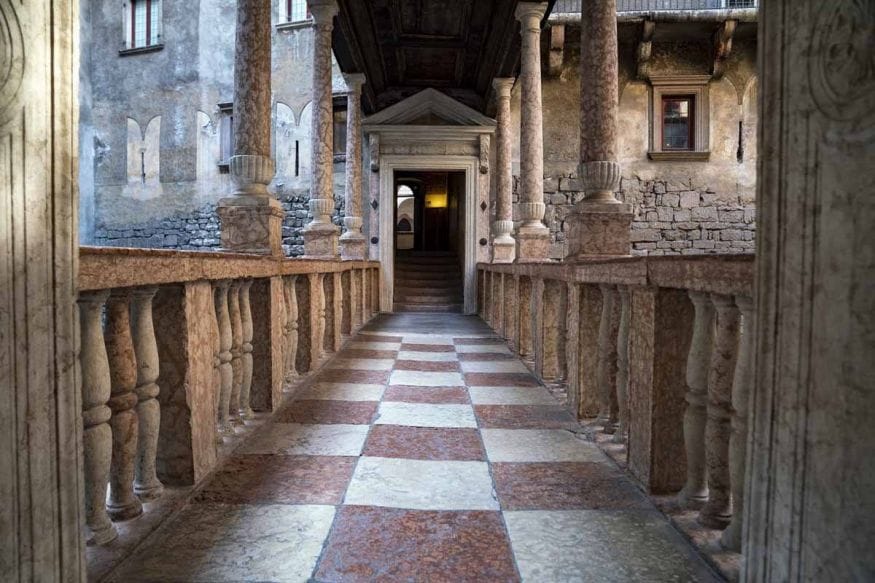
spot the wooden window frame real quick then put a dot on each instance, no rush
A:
(152, 25)
(694, 87)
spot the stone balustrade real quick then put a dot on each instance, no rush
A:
(181, 350)
(656, 351)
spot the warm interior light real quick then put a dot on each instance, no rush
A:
(436, 200)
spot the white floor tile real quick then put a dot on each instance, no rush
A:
(538, 445)
(494, 366)
(298, 439)
(480, 348)
(361, 364)
(376, 345)
(343, 392)
(511, 396)
(426, 415)
(426, 379)
(428, 356)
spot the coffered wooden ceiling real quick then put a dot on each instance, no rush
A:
(405, 46)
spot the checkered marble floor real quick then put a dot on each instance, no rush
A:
(419, 457)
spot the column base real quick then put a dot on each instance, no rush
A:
(251, 224)
(353, 248)
(321, 241)
(532, 245)
(504, 250)
(599, 230)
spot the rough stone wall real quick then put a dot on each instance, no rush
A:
(680, 207)
(179, 88)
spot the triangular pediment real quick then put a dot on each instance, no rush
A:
(429, 107)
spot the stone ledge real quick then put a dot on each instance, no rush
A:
(116, 267)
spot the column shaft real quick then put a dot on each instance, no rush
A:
(623, 365)
(607, 365)
(503, 243)
(320, 235)
(226, 338)
(352, 242)
(533, 238)
(246, 411)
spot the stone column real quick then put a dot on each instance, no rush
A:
(623, 364)
(123, 503)
(741, 387)
(718, 510)
(146, 483)
(599, 225)
(246, 411)
(695, 492)
(217, 357)
(320, 235)
(352, 242)
(226, 339)
(317, 318)
(97, 436)
(533, 237)
(252, 218)
(503, 243)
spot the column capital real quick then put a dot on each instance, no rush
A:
(503, 86)
(530, 14)
(323, 11)
(354, 82)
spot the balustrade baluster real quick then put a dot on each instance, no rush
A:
(607, 366)
(717, 512)
(217, 360)
(97, 435)
(623, 365)
(291, 296)
(741, 387)
(695, 492)
(236, 351)
(123, 503)
(146, 483)
(246, 411)
(226, 368)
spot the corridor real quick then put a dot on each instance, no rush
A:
(423, 451)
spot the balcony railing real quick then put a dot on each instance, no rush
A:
(179, 349)
(573, 6)
(654, 352)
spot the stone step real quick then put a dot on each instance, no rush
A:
(429, 276)
(429, 299)
(451, 308)
(427, 266)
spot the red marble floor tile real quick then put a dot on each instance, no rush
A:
(360, 353)
(318, 412)
(482, 356)
(565, 486)
(368, 377)
(377, 338)
(500, 379)
(489, 340)
(424, 443)
(388, 544)
(433, 395)
(429, 347)
(427, 366)
(280, 479)
(524, 417)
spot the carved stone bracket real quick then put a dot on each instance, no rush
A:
(722, 47)
(484, 153)
(557, 49)
(645, 49)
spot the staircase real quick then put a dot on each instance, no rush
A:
(428, 282)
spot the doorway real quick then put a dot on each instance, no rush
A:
(429, 241)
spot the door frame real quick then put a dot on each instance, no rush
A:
(389, 163)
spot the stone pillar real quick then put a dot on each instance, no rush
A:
(741, 386)
(355, 301)
(352, 243)
(146, 483)
(251, 218)
(533, 237)
(320, 235)
(317, 318)
(623, 365)
(97, 436)
(246, 411)
(503, 243)
(553, 320)
(607, 366)
(123, 503)
(599, 225)
(718, 510)
(695, 492)
(226, 339)
(217, 357)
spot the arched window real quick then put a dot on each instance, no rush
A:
(404, 226)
